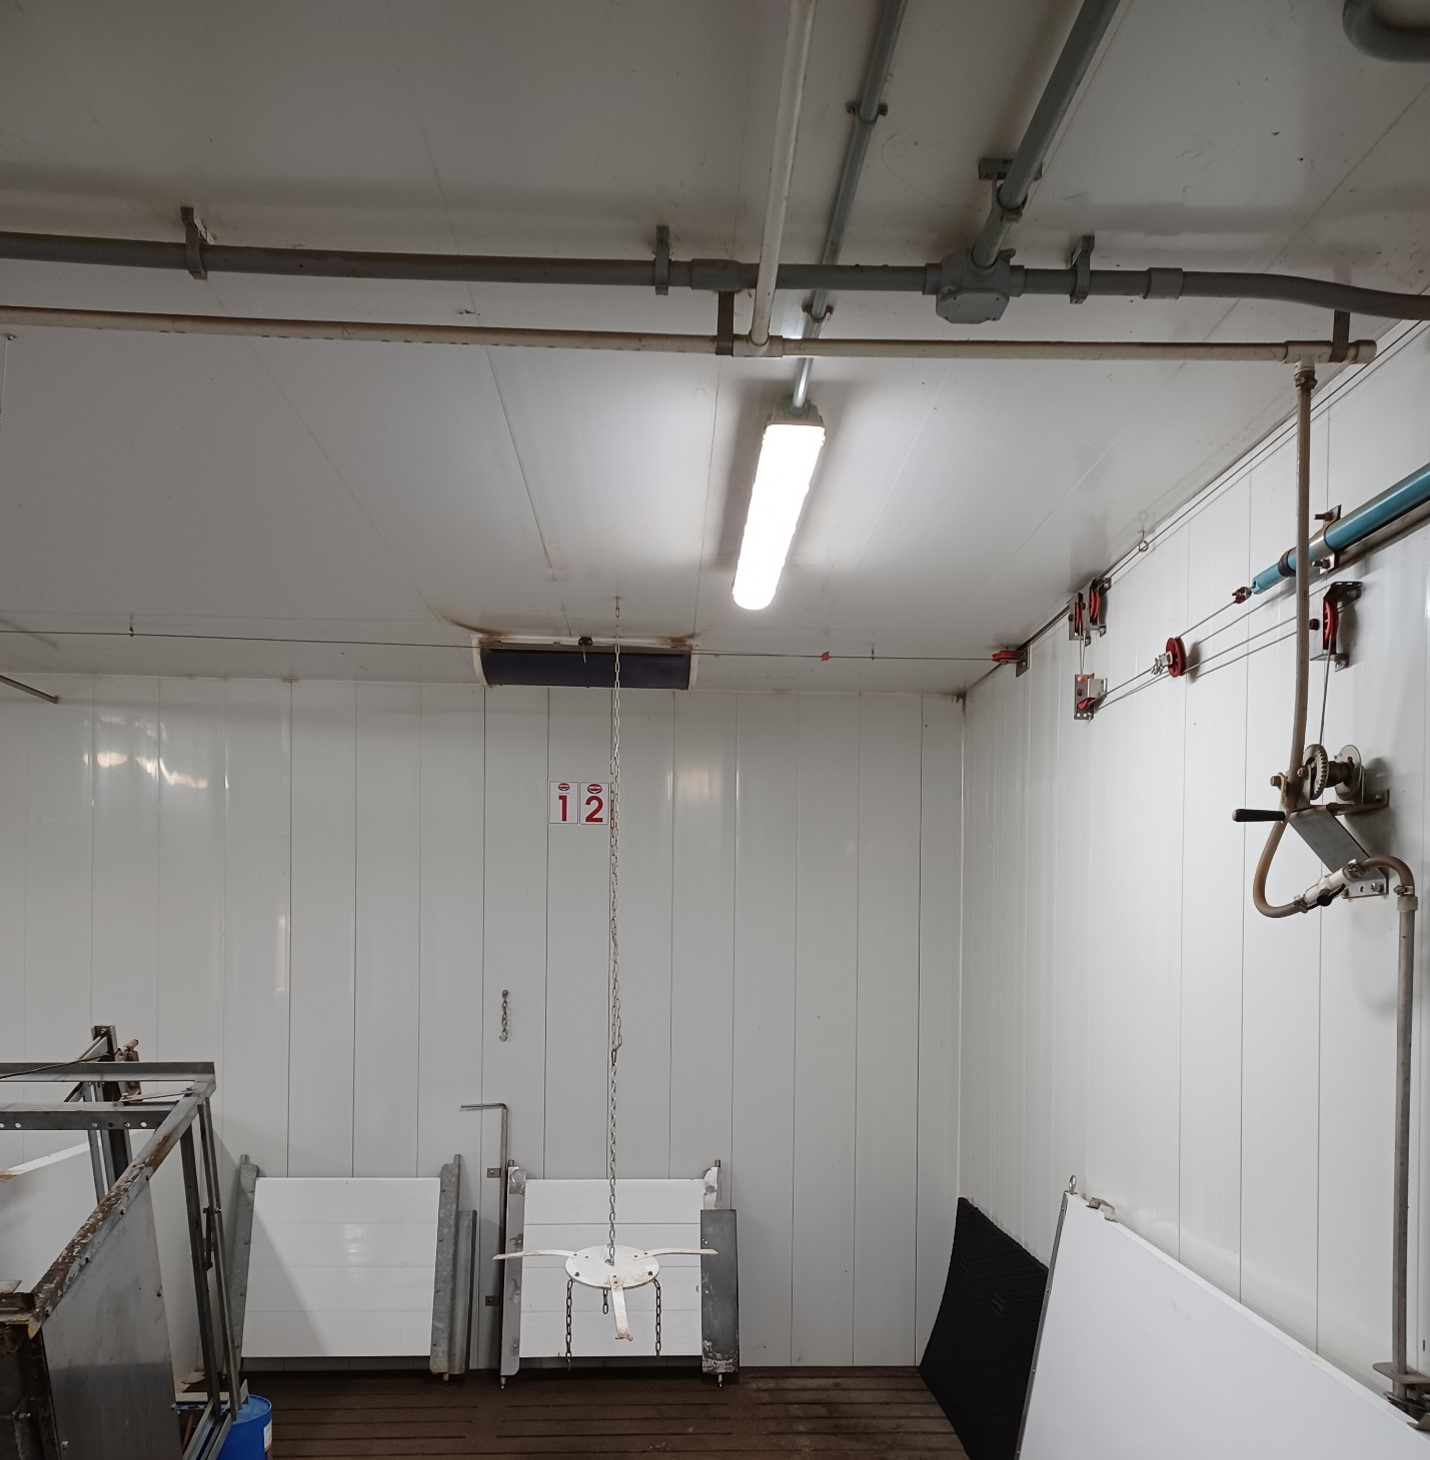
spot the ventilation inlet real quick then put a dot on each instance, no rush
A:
(583, 667)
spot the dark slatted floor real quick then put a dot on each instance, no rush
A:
(770, 1414)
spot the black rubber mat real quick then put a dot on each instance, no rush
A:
(980, 1353)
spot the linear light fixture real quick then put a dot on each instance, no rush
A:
(788, 455)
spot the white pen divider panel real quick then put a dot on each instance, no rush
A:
(1125, 1327)
(43, 1203)
(341, 1267)
(570, 1215)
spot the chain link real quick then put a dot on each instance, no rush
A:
(615, 889)
(657, 1316)
(569, 1283)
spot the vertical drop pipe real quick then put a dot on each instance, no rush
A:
(1398, 1370)
(1291, 785)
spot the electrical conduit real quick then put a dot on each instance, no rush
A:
(796, 65)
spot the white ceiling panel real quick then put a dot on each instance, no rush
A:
(301, 508)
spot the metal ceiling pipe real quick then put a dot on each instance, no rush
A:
(1374, 36)
(1210, 284)
(867, 111)
(710, 275)
(1356, 352)
(1011, 194)
(796, 66)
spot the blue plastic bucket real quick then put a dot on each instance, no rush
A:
(251, 1437)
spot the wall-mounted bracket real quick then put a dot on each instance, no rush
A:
(1081, 265)
(662, 259)
(1088, 694)
(1077, 620)
(995, 169)
(725, 323)
(1334, 646)
(195, 236)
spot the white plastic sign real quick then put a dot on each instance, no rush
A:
(579, 803)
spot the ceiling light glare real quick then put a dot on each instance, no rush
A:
(788, 455)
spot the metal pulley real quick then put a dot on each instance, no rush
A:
(1173, 660)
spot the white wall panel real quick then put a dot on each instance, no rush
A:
(940, 831)
(126, 857)
(825, 1042)
(14, 721)
(647, 773)
(578, 945)
(1214, 906)
(58, 873)
(514, 920)
(257, 819)
(1281, 979)
(762, 1145)
(325, 888)
(450, 1031)
(192, 854)
(1224, 1078)
(323, 935)
(387, 1014)
(702, 952)
(886, 1179)
(1379, 433)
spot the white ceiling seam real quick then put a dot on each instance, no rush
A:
(1355, 352)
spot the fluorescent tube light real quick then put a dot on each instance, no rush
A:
(788, 455)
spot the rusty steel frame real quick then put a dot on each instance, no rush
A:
(108, 1121)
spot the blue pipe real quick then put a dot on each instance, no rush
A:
(1393, 503)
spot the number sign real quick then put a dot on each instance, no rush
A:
(579, 803)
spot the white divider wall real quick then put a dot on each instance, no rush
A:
(1225, 1080)
(325, 887)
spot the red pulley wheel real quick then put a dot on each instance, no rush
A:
(1176, 658)
(1330, 624)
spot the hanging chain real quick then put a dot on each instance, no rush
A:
(657, 1317)
(615, 988)
(570, 1282)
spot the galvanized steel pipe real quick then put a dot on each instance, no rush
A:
(867, 111)
(1224, 284)
(709, 275)
(1067, 76)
